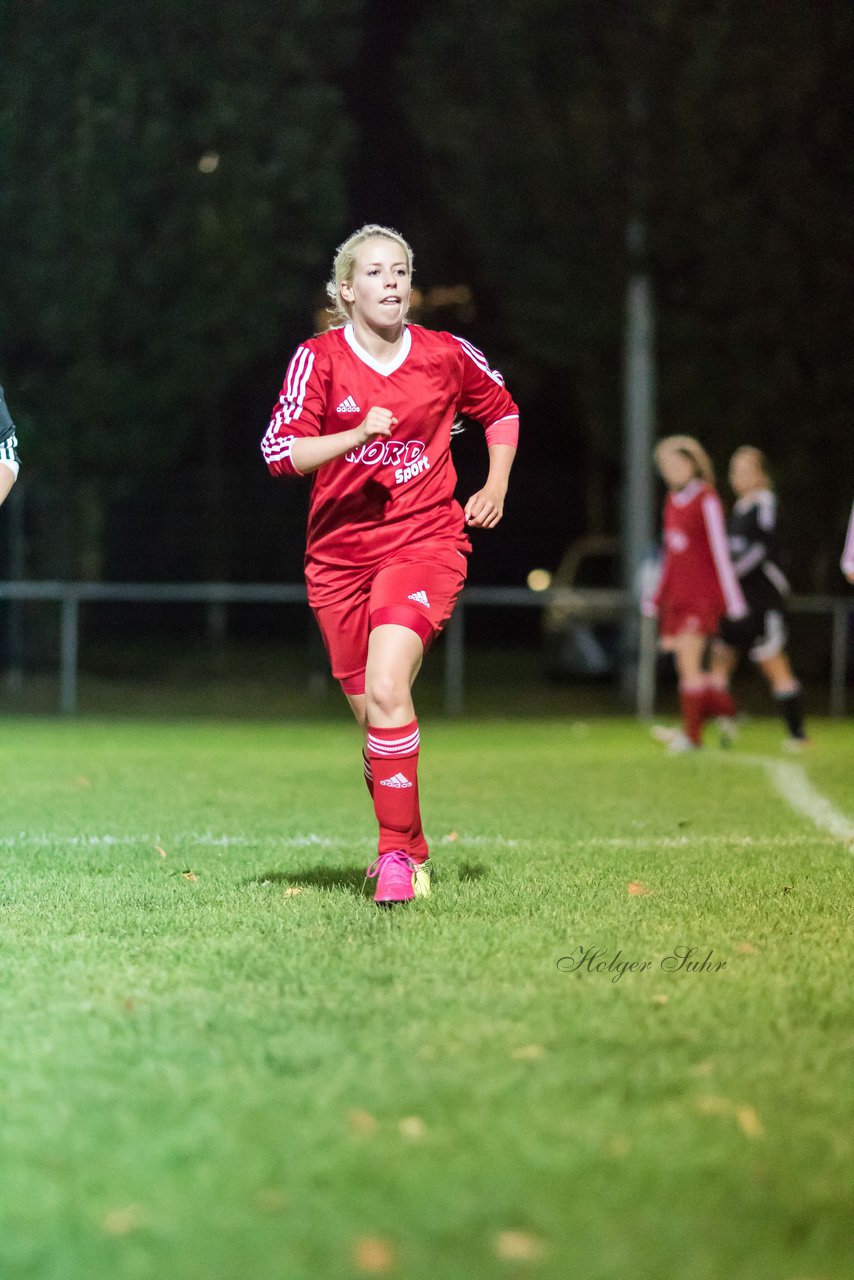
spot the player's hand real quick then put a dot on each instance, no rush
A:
(485, 508)
(378, 422)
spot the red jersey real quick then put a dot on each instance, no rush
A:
(391, 492)
(697, 570)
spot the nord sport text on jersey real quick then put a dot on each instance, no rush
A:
(407, 456)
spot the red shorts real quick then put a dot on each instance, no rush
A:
(698, 620)
(417, 590)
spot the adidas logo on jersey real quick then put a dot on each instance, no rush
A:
(399, 781)
(348, 406)
(420, 597)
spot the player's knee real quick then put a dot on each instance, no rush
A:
(386, 693)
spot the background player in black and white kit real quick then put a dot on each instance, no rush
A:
(8, 450)
(752, 539)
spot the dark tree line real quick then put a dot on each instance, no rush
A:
(551, 126)
(173, 178)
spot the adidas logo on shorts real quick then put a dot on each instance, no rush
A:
(398, 781)
(420, 597)
(348, 406)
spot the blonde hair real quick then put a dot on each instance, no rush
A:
(690, 449)
(751, 454)
(345, 263)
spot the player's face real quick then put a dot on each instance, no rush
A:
(744, 475)
(381, 285)
(676, 470)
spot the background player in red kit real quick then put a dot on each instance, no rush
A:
(698, 584)
(367, 407)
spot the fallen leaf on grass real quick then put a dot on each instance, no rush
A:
(292, 891)
(528, 1053)
(636, 887)
(618, 1146)
(189, 875)
(373, 1256)
(518, 1246)
(82, 782)
(121, 1222)
(271, 1200)
(361, 1121)
(450, 838)
(660, 998)
(751, 1125)
(704, 1068)
(746, 949)
(412, 1127)
(161, 851)
(746, 1117)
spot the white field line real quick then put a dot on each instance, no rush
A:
(788, 779)
(182, 839)
(793, 786)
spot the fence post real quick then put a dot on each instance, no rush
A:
(68, 642)
(647, 658)
(455, 662)
(838, 659)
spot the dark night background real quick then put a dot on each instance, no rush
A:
(174, 179)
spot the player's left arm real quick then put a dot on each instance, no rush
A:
(485, 508)
(484, 397)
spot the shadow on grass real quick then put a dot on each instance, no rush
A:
(351, 878)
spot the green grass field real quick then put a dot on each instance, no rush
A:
(221, 1062)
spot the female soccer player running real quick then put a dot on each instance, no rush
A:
(367, 408)
(697, 586)
(8, 455)
(751, 538)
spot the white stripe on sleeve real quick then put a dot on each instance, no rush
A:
(751, 558)
(714, 518)
(478, 358)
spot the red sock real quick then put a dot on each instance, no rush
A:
(369, 777)
(393, 755)
(691, 701)
(718, 702)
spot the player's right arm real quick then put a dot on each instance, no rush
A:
(293, 444)
(310, 453)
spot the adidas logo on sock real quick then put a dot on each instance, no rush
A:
(348, 406)
(398, 781)
(420, 597)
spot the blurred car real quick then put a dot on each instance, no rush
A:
(582, 635)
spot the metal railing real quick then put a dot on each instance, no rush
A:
(590, 605)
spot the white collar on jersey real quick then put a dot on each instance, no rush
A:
(684, 496)
(368, 359)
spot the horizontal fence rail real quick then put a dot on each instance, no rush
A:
(577, 605)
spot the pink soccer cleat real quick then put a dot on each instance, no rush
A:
(395, 876)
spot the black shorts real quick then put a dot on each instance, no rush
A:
(762, 634)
